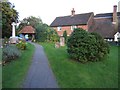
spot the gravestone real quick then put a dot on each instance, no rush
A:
(57, 45)
(62, 41)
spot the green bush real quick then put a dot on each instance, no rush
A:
(22, 45)
(52, 35)
(44, 33)
(10, 53)
(65, 36)
(84, 46)
(102, 45)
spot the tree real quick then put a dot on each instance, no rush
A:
(43, 31)
(41, 34)
(52, 35)
(33, 21)
(9, 15)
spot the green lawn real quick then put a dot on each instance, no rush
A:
(71, 74)
(14, 72)
(0, 68)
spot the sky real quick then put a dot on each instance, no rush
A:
(48, 10)
(119, 6)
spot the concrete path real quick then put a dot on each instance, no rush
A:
(40, 74)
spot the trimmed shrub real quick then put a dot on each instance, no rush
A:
(10, 53)
(22, 45)
(102, 45)
(65, 36)
(84, 46)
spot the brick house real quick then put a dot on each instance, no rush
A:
(68, 23)
(106, 24)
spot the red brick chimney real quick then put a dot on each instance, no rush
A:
(115, 13)
(72, 12)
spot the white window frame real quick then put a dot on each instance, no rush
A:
(73, 27)
(59, 28)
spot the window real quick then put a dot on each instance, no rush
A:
(59, 28)
(73, 27)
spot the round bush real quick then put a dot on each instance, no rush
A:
(84, 46)
(102, 46)
(10, 53)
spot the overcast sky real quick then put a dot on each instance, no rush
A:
(119, 6)
(48, 10)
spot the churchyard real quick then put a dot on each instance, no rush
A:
(81, 60)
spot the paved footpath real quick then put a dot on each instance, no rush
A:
(40, 74)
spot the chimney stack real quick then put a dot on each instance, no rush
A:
(115, 13)
(72, 12)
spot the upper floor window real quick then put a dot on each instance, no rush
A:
(59, 28)
(73, 27)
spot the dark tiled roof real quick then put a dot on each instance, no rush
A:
(106, 15)
(79, 19)
(104, 27)
(27, 29)
(119, 24)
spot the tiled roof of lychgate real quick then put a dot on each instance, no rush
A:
(27, 29)
(78, 19)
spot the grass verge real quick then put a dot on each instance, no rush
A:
(0, 68)
(71, 74)
(14, 72)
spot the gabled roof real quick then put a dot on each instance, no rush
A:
(27, 29)
(104, 27)
(106, 15)
(78, 19)
(119, 24)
